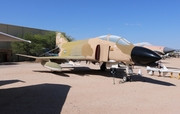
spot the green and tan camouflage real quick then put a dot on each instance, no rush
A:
(107, 49)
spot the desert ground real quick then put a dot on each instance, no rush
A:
(29, 88)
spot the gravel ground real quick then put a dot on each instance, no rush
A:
(29, 88)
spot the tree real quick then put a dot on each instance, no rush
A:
(40, 43)
(69, 38)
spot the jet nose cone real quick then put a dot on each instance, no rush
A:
(167, 50)
(144, 56)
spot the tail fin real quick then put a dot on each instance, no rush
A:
(60, 39)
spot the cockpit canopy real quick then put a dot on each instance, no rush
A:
(115, 39)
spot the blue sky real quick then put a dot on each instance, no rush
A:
(153, 21)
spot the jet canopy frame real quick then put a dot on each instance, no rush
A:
(115, 39)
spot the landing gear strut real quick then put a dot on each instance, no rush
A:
(129, 72)
(125, 78)
(113, 72)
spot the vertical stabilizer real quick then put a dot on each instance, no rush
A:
(60, 39)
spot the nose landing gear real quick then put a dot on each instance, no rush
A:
(125, 78)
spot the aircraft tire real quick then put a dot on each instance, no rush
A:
(103, 67)
(129, 78)
(124, 78)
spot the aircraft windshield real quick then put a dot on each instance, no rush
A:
(115, 39)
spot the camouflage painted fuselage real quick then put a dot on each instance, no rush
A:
(107, 50)
(97, 49)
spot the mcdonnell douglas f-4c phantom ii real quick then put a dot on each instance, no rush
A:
(107, 49)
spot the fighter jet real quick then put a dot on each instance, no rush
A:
(162, 50)
(7, 37)
(106, 49)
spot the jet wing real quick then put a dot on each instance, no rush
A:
(39, 59)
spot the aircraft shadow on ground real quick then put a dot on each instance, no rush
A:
(173, 68)
(141, 78)
(5, 82)
(36, 99)
(86, 71)
(9, 63)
